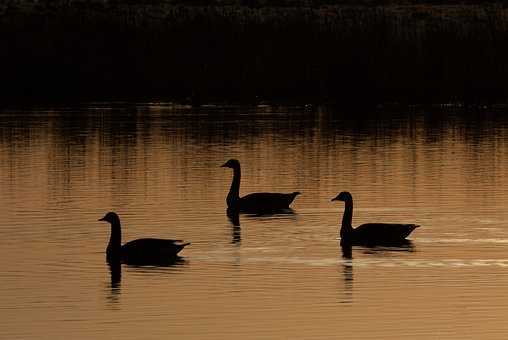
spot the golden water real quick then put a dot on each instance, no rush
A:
(280, 276)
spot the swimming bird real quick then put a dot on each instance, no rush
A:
(260, 202)
(370, 233)
(140, 251)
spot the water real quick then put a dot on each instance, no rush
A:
(280, 276)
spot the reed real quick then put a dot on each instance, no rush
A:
(298, 51)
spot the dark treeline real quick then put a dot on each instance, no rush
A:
(412, 53)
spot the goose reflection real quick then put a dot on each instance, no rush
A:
(234, 219)
(115, 269)
(236, 231)
(379, 247)
(280, 213)
(347, 250)
(347, 272)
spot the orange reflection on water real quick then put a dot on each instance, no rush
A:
(272, 276)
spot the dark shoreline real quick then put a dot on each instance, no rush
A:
(332, 54)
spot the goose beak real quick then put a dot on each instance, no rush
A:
(101, 219)
(334, 199)
(223, 165)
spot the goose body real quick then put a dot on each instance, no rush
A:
(140, 251)
(255, 202)
(369, 233)
(266, 201)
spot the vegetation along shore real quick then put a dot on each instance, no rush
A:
(247, 51)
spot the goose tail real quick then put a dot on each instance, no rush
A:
(180, 243)
(410, 229)
(291, 197)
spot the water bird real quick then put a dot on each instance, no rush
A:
(370, 233)
(259, 202)
(140, 251)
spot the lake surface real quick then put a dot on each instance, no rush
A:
(278, 276)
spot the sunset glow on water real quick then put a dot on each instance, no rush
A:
(274, 276)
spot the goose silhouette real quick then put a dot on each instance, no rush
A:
(140, 251)
(260, 202)
(370, 233)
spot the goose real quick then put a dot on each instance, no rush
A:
(370, 233)
(140, 251)
(258, 202)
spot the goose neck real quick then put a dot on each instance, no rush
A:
(234, 190)
(115, 240)
(347, 219)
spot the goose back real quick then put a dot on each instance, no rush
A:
(266, 201)
(150, 250)
(383, 231)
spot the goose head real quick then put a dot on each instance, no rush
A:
(110, 217)
(343, 196)
(232, 163)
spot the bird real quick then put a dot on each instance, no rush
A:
(370, 233)
(259, 202)
(140, 251)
